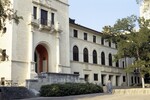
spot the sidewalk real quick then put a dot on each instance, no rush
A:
(97, 96)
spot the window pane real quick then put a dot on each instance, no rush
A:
(43, 17)
(94, 39)
(52, 18)
(85, 55)
(35, 12)
(95, 77)
(110, 60)
(85, 36)
(103, 58)
(94, 57)
(75, 53)
(75, 32)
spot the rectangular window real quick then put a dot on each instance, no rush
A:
(35, 12)
(109, 43)
(52, 18)
(85, 36)
(43, 17)
(95, 77)
(75, 33)
(94, 39)
(76, 73)
(124, 79)
(102, 41)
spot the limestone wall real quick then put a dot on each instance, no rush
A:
(50, 78)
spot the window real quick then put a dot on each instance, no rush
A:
(102, 41)
(123, 64)
(77, 73)
(110, 59)
(35, 12)
(85, 55)
(94, 57)
(43, 17)
(132, 80)
(124, 79)
(103, 58)
(94, 39)
(85, 36)
(109, 43)
(52, 18)
(86, 77)
(75, 33)
(116, 45)
(138, 79)
(75, 53)
(135, 79)
(95, 77)
(117, 63)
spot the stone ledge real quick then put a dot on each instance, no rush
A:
(134, 91)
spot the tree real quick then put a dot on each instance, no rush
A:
(7, 14)
(132, 43)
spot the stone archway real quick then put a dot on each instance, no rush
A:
(41, 59)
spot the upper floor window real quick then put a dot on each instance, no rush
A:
(35, 12)
(94, 57)
(116, 45)
(44, 17)
(52, 18)
(75, 53)
(103, 58)
(117, 63)
(110, 59)
(123, 64)
(109, 43)
(85, 55)
(94, 39)
(102, 41)
(75, 33)
(85, 36)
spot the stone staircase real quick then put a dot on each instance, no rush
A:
(10, 93)
(132, 91)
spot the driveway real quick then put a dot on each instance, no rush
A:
(98, 96)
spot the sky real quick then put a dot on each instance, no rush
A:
(96, 14)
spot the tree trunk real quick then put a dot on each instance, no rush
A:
(143, 83)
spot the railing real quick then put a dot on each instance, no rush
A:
(42, 23)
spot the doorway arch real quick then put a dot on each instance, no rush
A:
(41, 59)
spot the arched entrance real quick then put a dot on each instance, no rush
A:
(41, 59)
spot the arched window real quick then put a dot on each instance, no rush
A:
(75, 53)
(117, 63)
(94, 57)
(103, 58)
(110, 59)
(85, 55)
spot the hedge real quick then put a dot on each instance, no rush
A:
(69, 89)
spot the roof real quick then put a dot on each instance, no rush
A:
(72, 21)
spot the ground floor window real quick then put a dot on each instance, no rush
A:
(124, 78)
(95, 77)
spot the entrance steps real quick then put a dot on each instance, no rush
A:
(132, 91)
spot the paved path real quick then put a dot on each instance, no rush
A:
(96, 97)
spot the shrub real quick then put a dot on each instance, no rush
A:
(69, 89)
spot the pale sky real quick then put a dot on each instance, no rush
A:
(97, 13)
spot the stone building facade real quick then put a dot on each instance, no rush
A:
(45, 41)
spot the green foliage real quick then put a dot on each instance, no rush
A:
(7, 13)
(69, 89)
(131, 42)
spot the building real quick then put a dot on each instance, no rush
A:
(45, 41)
